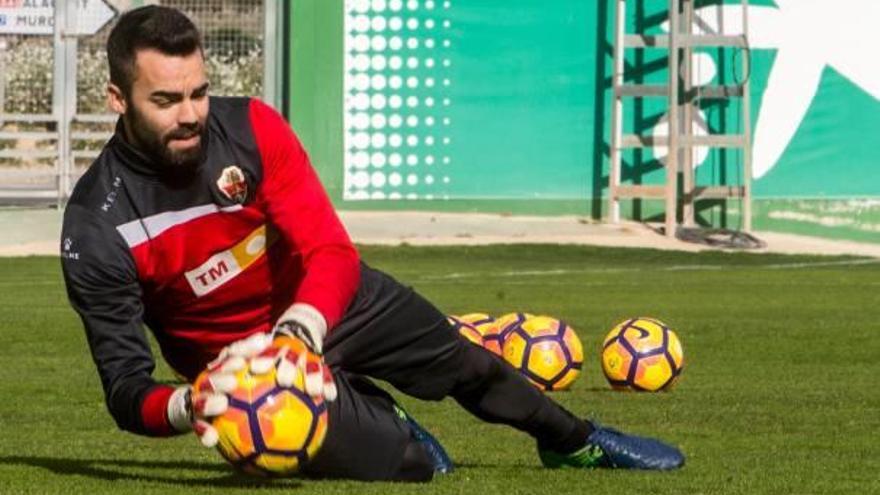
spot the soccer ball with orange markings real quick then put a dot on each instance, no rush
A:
(493, 337)
(642, 354)
(482, 324)
(475, 319)
(480, 321)
(268, 429)
(547, 351)
(466, 330)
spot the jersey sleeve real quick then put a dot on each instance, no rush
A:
(299, 208)
(103, 289)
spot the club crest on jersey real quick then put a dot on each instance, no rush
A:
(233, 184)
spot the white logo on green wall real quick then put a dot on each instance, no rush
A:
(808, 36)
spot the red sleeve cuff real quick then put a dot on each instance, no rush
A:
(154, 411)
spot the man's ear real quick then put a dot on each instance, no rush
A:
(116, 99)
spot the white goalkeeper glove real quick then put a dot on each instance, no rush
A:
(297, 343)
(186, 414)
(291, 358)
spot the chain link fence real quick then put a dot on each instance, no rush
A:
(28, 131)
(51, 130)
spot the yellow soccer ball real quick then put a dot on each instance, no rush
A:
(547, 351)
(269, 430)
(468, 331)
(642, 354)
(484, 325)
(494, 335)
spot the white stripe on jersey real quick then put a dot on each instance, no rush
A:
(141, 230)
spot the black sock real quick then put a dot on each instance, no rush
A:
(574, 441)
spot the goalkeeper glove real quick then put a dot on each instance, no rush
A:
(298, 342)
(291, 357)
(186, 414)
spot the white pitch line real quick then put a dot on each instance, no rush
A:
(673, 268)
(861, 261)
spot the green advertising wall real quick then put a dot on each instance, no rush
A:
(504, 105)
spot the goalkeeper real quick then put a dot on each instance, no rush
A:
(203, 221)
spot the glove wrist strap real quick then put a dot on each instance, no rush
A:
(179, 411)
(304, 322)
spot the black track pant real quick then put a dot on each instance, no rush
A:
(393, 334)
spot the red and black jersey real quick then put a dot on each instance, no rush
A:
(202, 260)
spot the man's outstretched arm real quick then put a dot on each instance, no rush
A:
(298, 206)
(103, 288)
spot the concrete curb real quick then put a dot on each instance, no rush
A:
(36, 232)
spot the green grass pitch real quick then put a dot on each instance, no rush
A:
(779, 394)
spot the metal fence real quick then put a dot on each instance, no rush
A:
(53, 74)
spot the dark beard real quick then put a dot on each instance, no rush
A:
(183, 162)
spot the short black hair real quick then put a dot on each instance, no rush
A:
(161, 28)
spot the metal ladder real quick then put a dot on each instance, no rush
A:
(682, 97)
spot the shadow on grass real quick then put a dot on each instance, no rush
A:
(120, 469)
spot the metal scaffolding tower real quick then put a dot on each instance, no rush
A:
(682, 97)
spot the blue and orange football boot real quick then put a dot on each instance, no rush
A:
(609, 448)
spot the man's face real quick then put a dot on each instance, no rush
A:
(166, 110)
